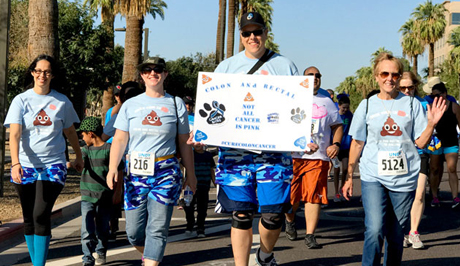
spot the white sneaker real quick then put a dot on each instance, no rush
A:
(188, 233)
(414, 239)
(406, 242)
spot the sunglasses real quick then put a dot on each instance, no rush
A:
(38, 72)
(435, 96)
(246, 34)
(403, 88)
(156, 69)
(394, 76)
(317, 75)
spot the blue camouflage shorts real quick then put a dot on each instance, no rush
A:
(164, 186)
(54, 173)
(240, 173)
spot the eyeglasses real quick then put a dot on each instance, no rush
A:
(246, 34)
(156, 69)
(394, 76)
(403, 88)
(317, 75)
(38, 72)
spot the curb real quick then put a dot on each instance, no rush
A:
(61, 213)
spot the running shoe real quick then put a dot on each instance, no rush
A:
(455, 202)
(270, 261)
(200, 234)
(291, 232)
(414, 239)
(337, 198)
(435, 202)
(406, 242)
(100, 259)
(310, 242)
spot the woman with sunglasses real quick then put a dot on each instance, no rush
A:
(446, 131)
(408, 85)
(37, 119)
(153, 123)
(389, 123)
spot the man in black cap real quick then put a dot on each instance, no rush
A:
(189, 104)
(240, 172)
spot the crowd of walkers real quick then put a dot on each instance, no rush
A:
(145, 156)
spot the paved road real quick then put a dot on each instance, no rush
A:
(340, 231)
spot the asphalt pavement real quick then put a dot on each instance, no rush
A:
(340, 231)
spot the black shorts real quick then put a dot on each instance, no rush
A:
(424, 163)
(343, 154)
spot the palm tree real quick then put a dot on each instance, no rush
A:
(365, 81)
(134, 11)
(378, 52)
(43, 28)
(107, 18)
(231, 27)
(411, 45)
(454, 40)
(430, 23)
(220, 37)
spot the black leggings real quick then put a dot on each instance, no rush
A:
(37, 201)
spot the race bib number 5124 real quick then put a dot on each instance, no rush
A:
(392, 163)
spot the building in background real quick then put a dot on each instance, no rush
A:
(441, 46)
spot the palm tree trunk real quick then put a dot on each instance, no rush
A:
(107, 19)
(415, 65)
(133, 47)
(43, 28)
(244, 9)
(231, 28)
(431, 61)
(220, 37)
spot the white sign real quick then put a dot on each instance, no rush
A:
(254, 112)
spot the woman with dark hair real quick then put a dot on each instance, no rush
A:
(446, 132)
(408, 85)
(390, 162)
(37, 119)
(155, 125)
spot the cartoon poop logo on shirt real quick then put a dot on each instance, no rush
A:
(390, 128)
(152, 119)
(42, 119)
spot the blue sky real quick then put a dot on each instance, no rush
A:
(337, 36)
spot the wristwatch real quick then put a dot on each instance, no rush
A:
(337, 144)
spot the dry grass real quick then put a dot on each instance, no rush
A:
(10, 207)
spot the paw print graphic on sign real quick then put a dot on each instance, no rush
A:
(298, 115)
(214, 113)
(42, 119)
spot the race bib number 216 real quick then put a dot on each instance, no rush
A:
(392, 163)
(142, 163)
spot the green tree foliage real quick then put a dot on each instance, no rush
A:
(430, 24)
(183, 73)
(411, 45)
(83, 58)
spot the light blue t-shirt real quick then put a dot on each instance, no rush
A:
(424, 104)
(151, 123)
(390, 134)
(241, 64)
(43, 117)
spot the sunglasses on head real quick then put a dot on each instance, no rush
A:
(394, 76)
(246, 34)
(156, 69)
(403, 88)
(317, 75)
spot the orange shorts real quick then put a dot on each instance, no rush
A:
(309, 183)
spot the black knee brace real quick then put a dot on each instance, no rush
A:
(242, 219)
(272, 221)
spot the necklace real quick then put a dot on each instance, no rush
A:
(388, 112)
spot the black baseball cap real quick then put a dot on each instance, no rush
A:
(251, 18)
(152, 61)
(188, 100)
(116, 90)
